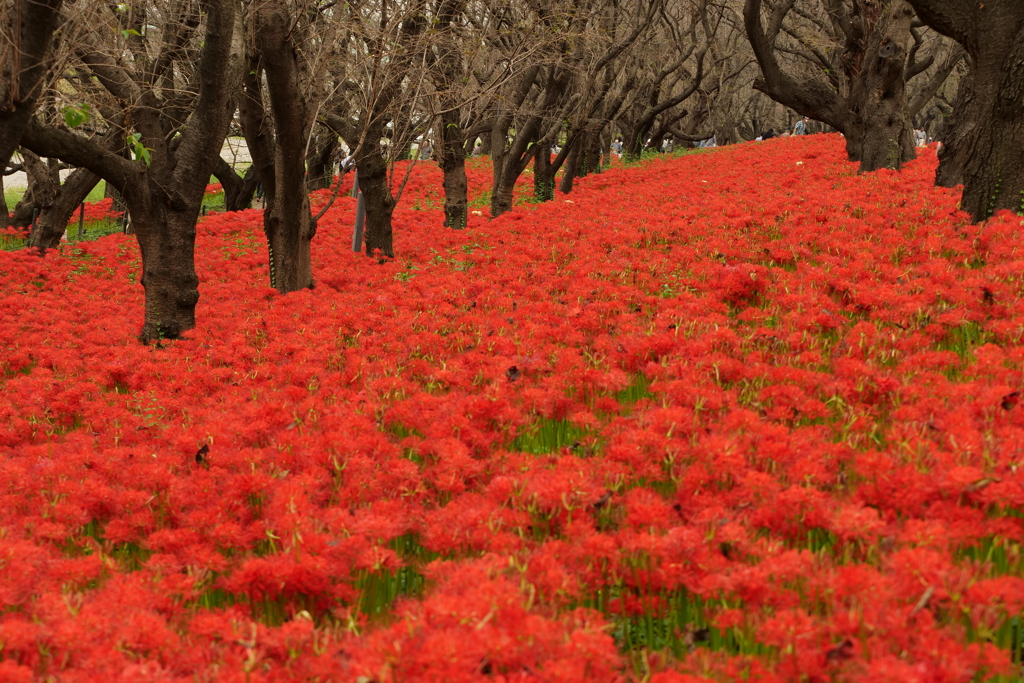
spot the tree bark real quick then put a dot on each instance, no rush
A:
(572, 165)
(446, 68)
(43, 182)
(880, 122)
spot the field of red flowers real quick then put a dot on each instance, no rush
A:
(740, 415)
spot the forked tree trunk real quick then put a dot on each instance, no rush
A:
(238, 190)
(53, 219)
(43, 183)
(874, 115)
(280, 158)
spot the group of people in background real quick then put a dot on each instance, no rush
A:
(799, 129)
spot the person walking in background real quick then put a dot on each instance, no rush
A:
(617, 146)
(920, 137)
(801, 127)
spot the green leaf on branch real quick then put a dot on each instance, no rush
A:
(76, 115)
(140, 151)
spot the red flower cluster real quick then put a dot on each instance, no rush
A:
(738, 415)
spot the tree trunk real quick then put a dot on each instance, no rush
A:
(290, 228)
(373, 183)
(238, 190)
(958, 136)
(280, 159)
(592, 152)
(167, 240)
(29, 30)
(53, 219)
(874, 114)
(572, 164)
(452, 159)
(543, 174)
(880, 125)
(993, 171)
(320, 161)
(993, 35)
(43, 182)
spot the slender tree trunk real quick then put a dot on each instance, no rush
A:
(592, 151)
(5, 216)
(543, 174)
(572, 164)
(373, 183)
(53, 219)
(452, 160)
(320, 161)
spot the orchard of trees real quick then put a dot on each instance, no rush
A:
(142, 94)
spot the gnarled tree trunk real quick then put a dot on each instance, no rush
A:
(960, 131)
(993, 35)
(873, 113)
